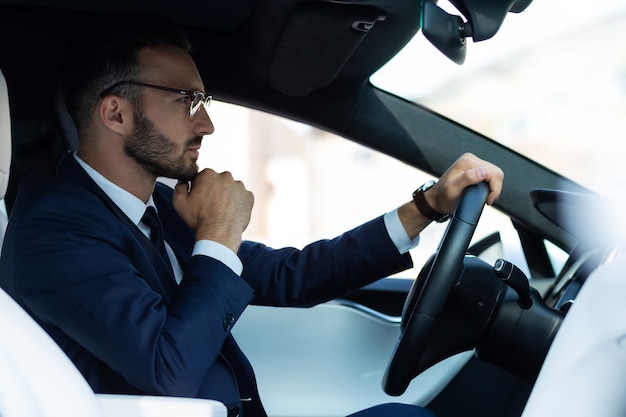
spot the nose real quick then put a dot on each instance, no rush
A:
(202, 124)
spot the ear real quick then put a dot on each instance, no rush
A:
(116, 114)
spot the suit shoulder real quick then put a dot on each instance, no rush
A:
(51, 190)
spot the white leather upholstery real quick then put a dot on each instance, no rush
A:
(5, 150)
(5, 136)
(145, 406)
(37, 379)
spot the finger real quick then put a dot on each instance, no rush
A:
(198, 177)
(181, 190)
(181, 187)
(490, 174)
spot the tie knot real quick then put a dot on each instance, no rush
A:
(151, 219)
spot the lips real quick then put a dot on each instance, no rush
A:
(194, 150)
(193, 145)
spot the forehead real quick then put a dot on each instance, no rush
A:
(169, 66)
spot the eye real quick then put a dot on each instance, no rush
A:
(185, 99)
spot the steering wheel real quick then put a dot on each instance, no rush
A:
(428, 296)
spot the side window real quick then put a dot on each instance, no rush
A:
(310, 184)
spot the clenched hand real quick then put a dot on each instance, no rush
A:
(215, 206)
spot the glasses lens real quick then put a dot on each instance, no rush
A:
(207, 103)
(196, 101)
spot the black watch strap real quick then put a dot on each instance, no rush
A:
(422, 205)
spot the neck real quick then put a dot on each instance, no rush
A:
(121, 170)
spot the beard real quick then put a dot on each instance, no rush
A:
(156, 153)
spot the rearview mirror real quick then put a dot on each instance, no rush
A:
(447, 32)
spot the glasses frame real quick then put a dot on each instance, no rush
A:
(205, 100)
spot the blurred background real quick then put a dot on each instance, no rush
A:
(551, 85)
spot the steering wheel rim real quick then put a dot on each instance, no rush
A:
(426, 300)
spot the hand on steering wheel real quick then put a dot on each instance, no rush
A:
(426, 299)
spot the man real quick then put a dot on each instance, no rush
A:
(138, 316)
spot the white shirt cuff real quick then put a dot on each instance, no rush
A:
(219, 252)
(397, 233)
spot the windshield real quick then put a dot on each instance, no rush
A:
(551, 85)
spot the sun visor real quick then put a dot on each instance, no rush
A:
(317, 42)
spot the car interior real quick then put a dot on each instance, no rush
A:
(486, 325)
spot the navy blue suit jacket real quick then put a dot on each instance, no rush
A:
(87, 274)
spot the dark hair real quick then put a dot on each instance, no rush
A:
(104, 53)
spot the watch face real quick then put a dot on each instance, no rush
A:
(428, 185)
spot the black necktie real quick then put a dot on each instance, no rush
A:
(151, 219)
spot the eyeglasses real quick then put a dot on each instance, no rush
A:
(196, 97)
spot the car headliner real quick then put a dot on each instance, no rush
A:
(308, 61)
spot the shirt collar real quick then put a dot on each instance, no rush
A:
(132, 206)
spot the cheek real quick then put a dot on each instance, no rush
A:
(177, 133)
(172, 123)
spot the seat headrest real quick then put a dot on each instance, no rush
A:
(5, 137)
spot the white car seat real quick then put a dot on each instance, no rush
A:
(5, 151)
(37, 379)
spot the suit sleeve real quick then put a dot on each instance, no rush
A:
(322, 270)
(85, 277)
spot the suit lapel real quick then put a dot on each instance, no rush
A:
(160, 278)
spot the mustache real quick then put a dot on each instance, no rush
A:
(195, 141)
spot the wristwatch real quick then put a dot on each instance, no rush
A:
(422, 205)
